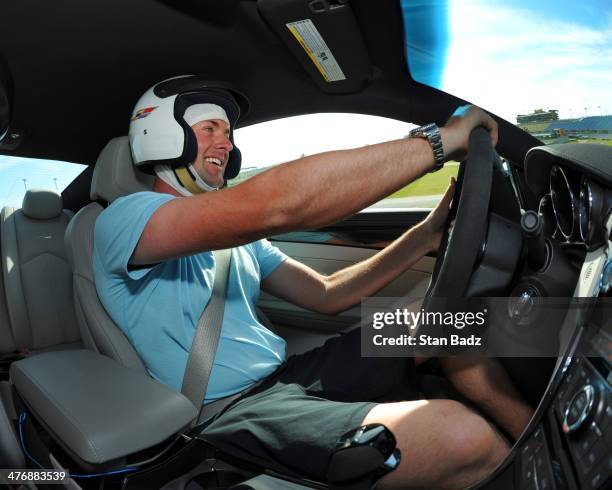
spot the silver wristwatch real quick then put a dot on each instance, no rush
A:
(432, 133)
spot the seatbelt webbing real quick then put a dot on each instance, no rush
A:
(206, 338)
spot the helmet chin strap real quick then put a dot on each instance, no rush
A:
(185, 181)
(199, 181)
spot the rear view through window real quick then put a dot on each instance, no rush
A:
(20, 174)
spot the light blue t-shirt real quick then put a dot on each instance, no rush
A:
(158, 307)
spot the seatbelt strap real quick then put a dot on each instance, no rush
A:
(206, 338)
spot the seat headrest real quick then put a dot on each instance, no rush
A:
(41, 204)
(115, 175)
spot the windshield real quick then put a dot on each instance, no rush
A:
(20, 174)
(545, 66)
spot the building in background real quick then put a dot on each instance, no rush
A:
(538, 116)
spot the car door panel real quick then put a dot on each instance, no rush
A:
(294, 322)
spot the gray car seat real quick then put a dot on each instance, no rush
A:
(36, 310)
(75, 411)
(114, 176)
(36, 273)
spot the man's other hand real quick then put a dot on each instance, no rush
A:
(456, 132)
(433, 225)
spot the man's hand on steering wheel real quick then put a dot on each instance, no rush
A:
(456, 132)
(455, 135)
(433, 225)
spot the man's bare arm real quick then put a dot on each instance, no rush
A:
(304, 194)
(303, 286)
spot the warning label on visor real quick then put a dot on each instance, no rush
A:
(311, 41)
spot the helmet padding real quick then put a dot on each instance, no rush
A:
(202, 112)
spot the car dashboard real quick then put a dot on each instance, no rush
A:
(568, 443)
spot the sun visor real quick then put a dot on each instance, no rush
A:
(592, 159)
(6, 98)
(325, 38)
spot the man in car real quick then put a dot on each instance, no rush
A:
(154, 271)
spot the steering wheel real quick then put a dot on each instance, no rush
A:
(460, 249)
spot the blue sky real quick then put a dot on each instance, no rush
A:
(514, 56)
(590, 13)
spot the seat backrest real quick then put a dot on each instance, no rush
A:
(114, 176)
(36, 273)
(98, 330)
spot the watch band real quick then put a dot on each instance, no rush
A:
(432, 133)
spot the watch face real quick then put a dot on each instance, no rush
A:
(424, 131)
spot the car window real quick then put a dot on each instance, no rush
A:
(19, 174)
(267, 144)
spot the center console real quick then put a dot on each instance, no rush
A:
(568, 444)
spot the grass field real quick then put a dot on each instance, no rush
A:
(432, 184)
(599, 141)
(429, 184)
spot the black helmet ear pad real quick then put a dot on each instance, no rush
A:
(235, 162)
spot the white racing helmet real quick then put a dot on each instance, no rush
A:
(159, 134)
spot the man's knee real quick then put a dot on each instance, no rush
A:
(472, 442)
(444, 443)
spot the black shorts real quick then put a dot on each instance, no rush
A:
(292, 420)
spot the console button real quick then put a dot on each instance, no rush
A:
(584, 446)
(606, 418)
(592, 457)
(600, 474)
(587, 441)
(528, 477)
(538, 439)
(579, 409)
(596, 480)
(580, 401)
(543, 472)
(596, 429)
(586, 465)
(527, 450)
